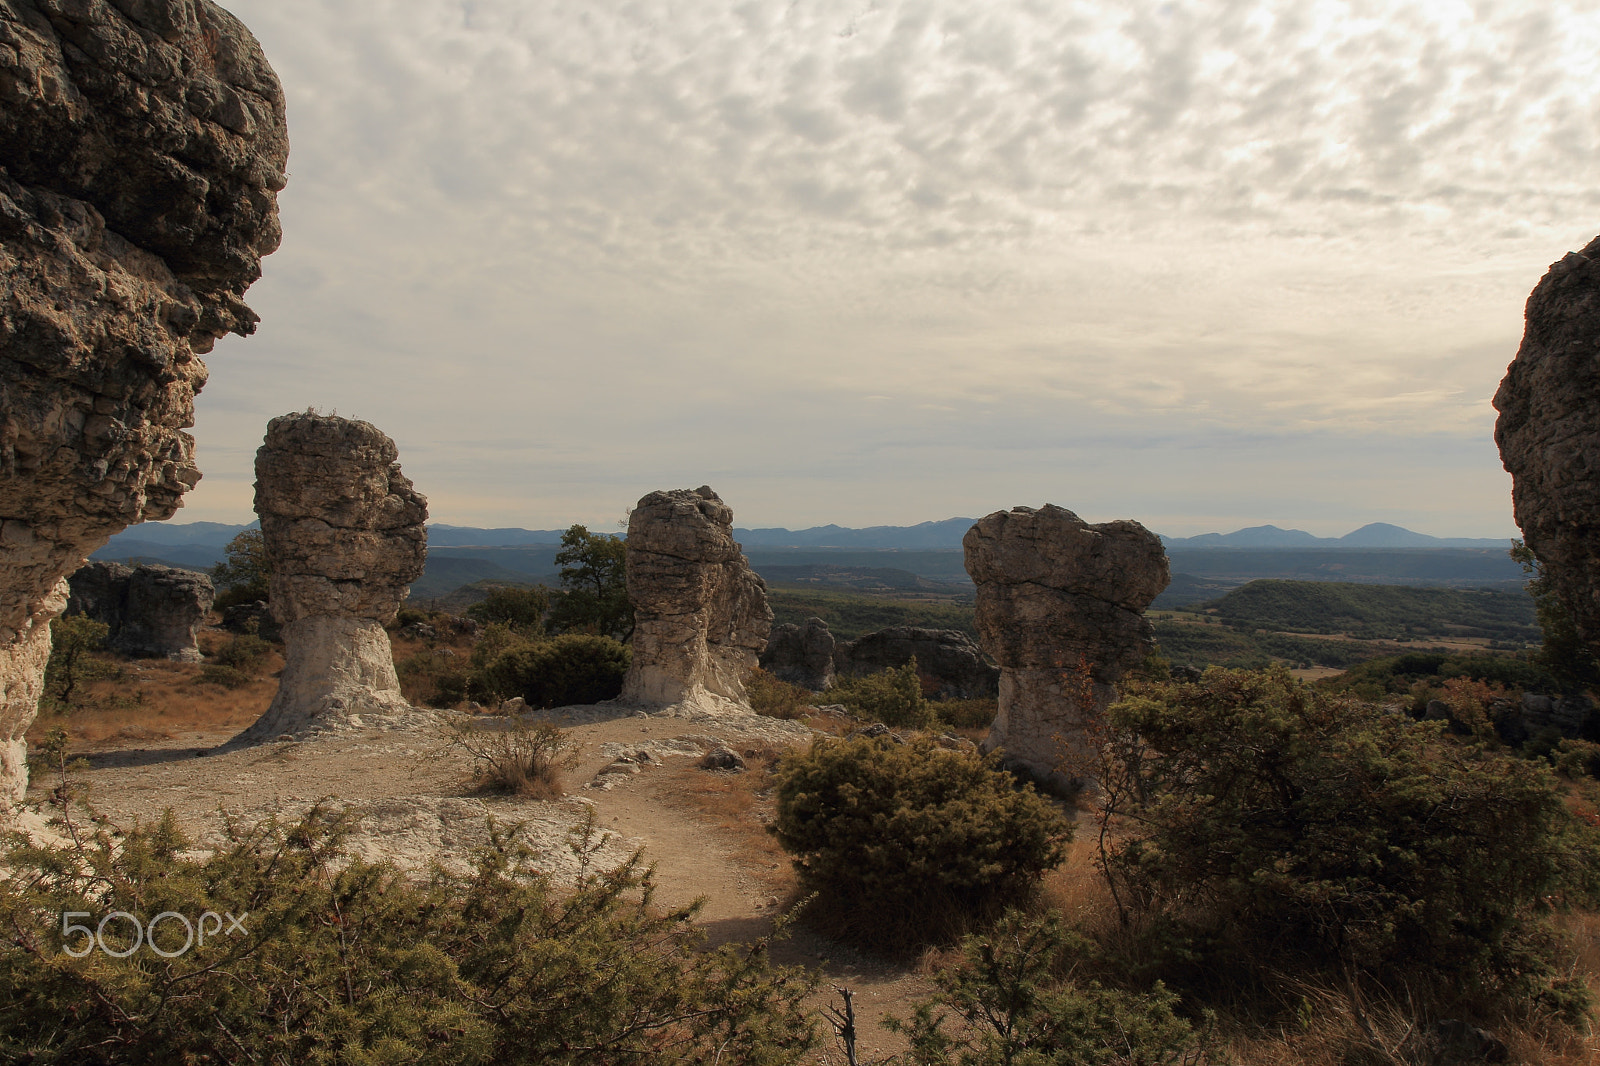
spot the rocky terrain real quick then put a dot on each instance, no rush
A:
(149, 610)
(142, 148)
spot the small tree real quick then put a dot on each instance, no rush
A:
(243, 576)
(594, 584)
(72, 638)
(893, 697)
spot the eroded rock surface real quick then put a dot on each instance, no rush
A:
(801, 655)
(1549, 432)
(151, 611)
(1060, 606)
(344, 535)
(948, 660)
(142, 147)
(700, 613)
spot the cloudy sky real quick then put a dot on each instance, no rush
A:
(1203, 264)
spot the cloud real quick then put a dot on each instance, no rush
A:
(617, 221)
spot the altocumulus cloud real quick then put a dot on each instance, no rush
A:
(893, 261)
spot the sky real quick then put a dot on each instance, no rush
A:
(1204, 265)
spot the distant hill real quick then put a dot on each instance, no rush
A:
(1378, 610)
(1372, 535)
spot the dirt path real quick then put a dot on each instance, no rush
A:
(417, 802)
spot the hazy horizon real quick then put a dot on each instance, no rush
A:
(1194, 264)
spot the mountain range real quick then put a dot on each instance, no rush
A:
(202, 543)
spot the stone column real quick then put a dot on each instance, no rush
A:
(700, 613)
(142, 147)
(1549, 433)
(1057, 597)
(344, 535)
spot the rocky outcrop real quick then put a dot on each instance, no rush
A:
(700, 613)
(1549, 432)
(151, 611)
(344, 536)
(948, 661)
(801, 655)
(1060, 606)
(141, 150)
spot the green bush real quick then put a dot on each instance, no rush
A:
(1017, 1003)
(908, 843)
(967, 714)
(345, 962)
(893, 697)
(774, 698)
(570, 668)
(1278, 820)
(222, 676)
(522, 609)
(73, 639)
(246, 653)
(433, 677)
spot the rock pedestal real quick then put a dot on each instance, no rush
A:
(141, 150)
(343, 532)
(151, 611)
(1549, 432)
(801, 655)
(1060, 606)
(700, 613)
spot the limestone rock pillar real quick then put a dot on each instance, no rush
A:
(700, 613)
(1549, 433)
(343, 532)
(1054, 595)
(142, 147)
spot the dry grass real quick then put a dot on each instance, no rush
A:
(142, 700)
(740, 804)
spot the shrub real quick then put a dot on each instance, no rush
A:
(906, 843)
(967, 714)
(1017, 1003)
(246, 652)
(570, 668)
(1279, 819)
(775, 698)
(893, 697)
(343, 961)
(516, 756)
(222, 676)
(433, 677)
(522, 609)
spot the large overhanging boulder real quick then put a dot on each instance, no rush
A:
(142, 146)
(1549, 433)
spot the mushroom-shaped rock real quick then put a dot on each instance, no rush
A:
(344, 536)
(142, 147)
(1549, 433)
(1060, 606)
(700, 613)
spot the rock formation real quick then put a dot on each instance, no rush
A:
(700, 613)
(344, 536)
(801, 655)
(151, 611)
(947, 659)
(142, 146)
(1549, 432)
(1055, 595)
